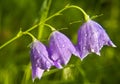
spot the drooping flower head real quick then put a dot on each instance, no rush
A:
(91, 38)
(39, 58)
(60, 49)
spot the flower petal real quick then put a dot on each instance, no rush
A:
(37, 73)
(39, 58)
(61, 49)
(91, 38)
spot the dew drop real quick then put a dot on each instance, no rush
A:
(63, 46)
(92, 50)
(86, 35)
(48, 69)
(38, 60)
(98, 53)
(83, 48)
(58, 38)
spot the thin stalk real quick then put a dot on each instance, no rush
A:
(8, 42)
(52, 28)
(33, 38)
(42, 22)
(86, 16)
(44, 13)
(14, 38)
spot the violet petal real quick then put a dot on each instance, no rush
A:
(91, 38)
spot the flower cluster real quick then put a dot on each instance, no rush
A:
(91, 38)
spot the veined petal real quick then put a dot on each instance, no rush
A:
(37, 73)
(61, 49)
(39, 59)
(91, 38)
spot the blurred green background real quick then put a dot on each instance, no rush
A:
(15, 58)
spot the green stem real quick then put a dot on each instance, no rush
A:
(52, 28)
(26, 74)
(44, 13)
(59, 13)
(14, 38)
(35, 26)
(33, 38)
(86, 81)
(42, 22)
(86, 16)
(8, 42)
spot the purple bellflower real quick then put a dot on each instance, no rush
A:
(91, 38)
(39, 58)
(60, 49)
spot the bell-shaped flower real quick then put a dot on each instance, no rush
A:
(39, 58)
(60, 49)
(91, 38)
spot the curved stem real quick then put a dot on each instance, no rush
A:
(52, 28)
(56, 14)
(59, 13)
(33, 38)
(86, 17)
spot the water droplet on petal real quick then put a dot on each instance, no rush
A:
(85, 35)
(48, 69)
(63, 46)
(92, 50)
(84, 48)
(58, 38)
(98, 53)
(38, 60)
